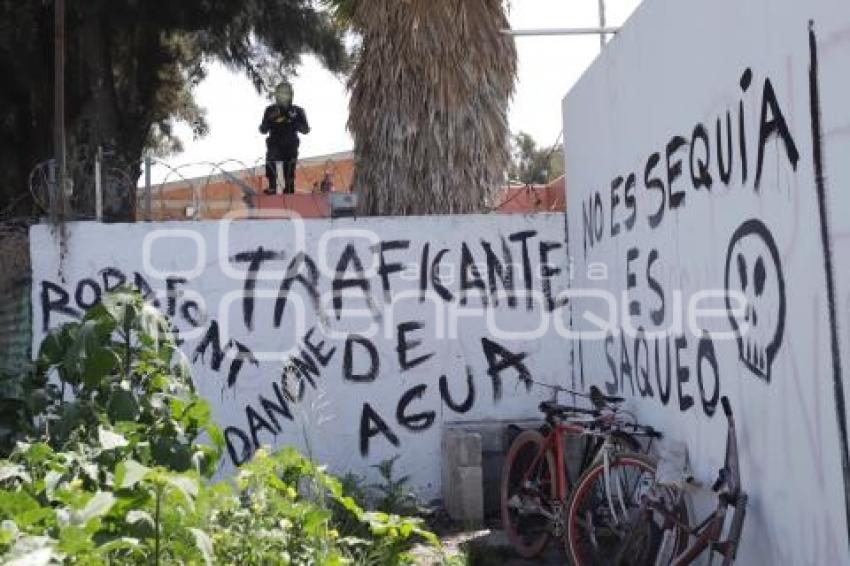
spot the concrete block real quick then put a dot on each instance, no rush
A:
(462, 448)
(480, 444)
(470, 486)
(462, 475)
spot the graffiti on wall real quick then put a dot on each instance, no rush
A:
(655, 359)
(753, 268)
(412, 331)
(708, 198)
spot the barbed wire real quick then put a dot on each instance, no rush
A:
(245, 179)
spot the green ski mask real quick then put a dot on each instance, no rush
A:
(283, 94)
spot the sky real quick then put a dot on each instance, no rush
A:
(547, 68)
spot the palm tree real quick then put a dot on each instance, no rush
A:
(429, 97)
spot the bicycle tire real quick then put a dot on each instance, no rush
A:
(581, 503)
(528, 535)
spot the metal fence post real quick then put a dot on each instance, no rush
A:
(98, 184)
(148, 163)
(602, 24)
(278, 166)
(59, 103)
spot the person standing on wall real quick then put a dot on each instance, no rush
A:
(283, 121)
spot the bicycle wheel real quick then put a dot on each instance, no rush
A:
(521, 501)
(601, 511)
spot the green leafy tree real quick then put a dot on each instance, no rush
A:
(113, 471)
(531, 164)
(120, 367)
(131, 68)
(429, 99)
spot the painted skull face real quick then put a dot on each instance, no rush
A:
(754, 271)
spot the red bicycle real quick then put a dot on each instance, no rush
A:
(537, 484)
(661, 527)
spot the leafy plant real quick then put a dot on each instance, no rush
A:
(64, 506)
(120, 367)
(393, 493)
(283, 513)
(115, 472)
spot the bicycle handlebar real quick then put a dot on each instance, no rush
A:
(721, 479)
(595, 395)
(727, 407)
(637, 428)
(549, 407)
(726, 474)
(599, 399)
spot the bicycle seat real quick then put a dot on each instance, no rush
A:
(552, 409)
(599, 400)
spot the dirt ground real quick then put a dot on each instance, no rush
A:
(487, 546)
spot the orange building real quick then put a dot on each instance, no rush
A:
(241, 192)
(522, 199)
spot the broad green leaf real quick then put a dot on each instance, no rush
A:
(37, 453)
(53, 347)
(314, 520)
(98, 506)
(172, 453)
(90, 470)
(99, 363)
(122, 406)
(129, 472)
(110, 440)
(137, 515)
(187, 486)
(8, 531)
(153, 324)
(198, 412)
(122, 543)
(74, 540)
(51, 481)
(14, 503)
(204, 544)
(216, 435)
(178, 407)
(41, 515)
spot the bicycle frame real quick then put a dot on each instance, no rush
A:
(708, 533)
(555, 444)
(604, 434)
(597, 442)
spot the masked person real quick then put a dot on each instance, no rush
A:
(283, 121)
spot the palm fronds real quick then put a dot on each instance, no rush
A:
(429, 98)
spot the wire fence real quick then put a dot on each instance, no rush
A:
(187, 191)
(155, 189)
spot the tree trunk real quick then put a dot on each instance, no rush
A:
(428, 110)
(98, 124)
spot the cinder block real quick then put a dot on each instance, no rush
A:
(481, 444)
(471, 489)
(462, 475)
(462, 448)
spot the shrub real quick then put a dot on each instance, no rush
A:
(115, 472)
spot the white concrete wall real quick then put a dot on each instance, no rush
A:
(213, 258)
(779, 236)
